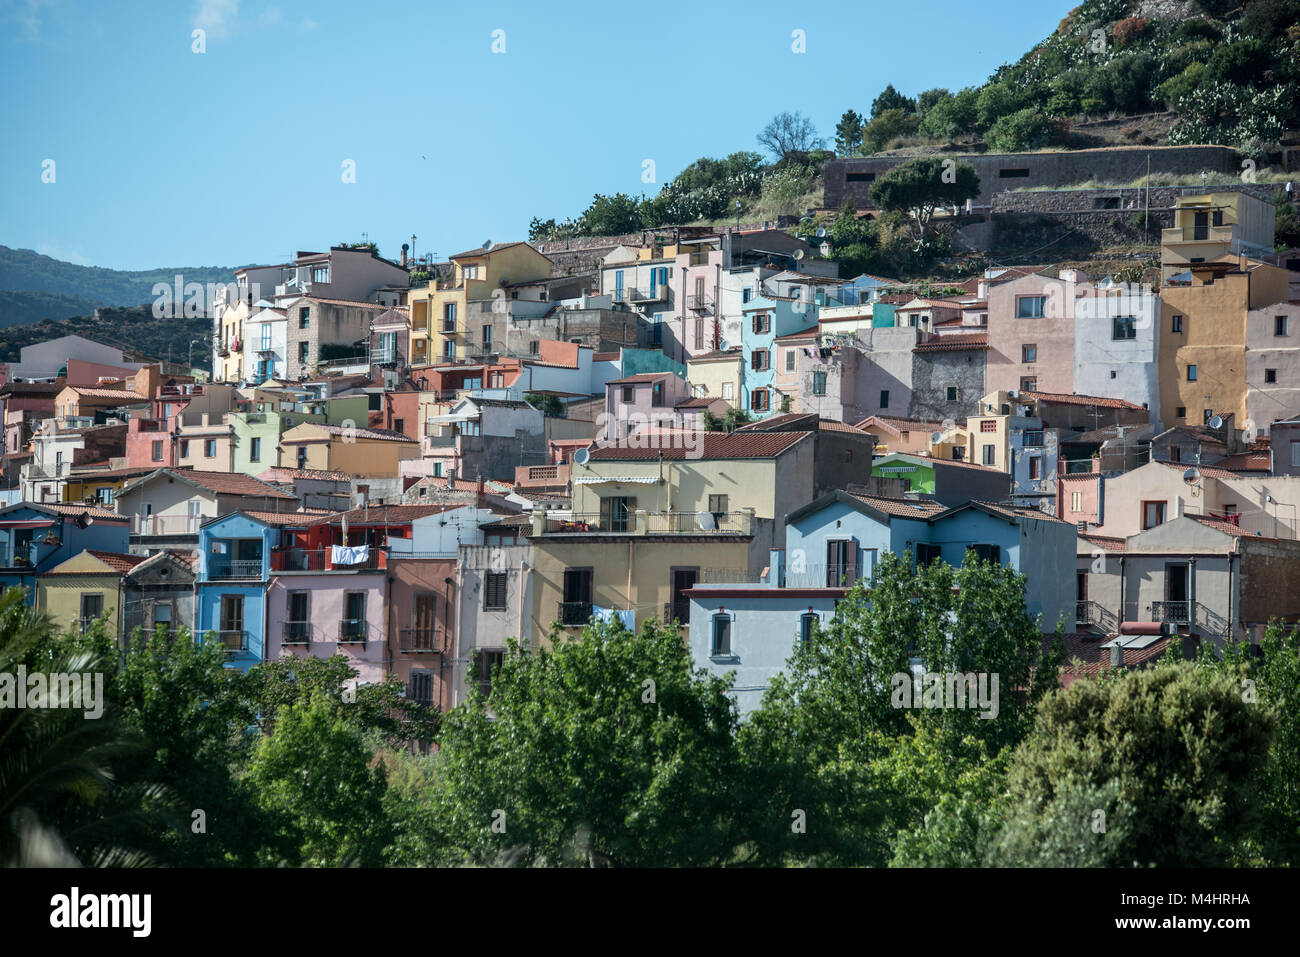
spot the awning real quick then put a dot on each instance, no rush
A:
(619, 480)
(28, 523)
(449, 417)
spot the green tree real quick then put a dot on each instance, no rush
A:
(927, 99)
(1286, 225)
(916, 188)
(313, 779)
(952, 116)
(1169, 756)
(611, 215)
(886, 126)
(848, 133)
(1020, 131)
(891, 99)
(789, 133)
(730, 420)
(548, 405)
(605, 749)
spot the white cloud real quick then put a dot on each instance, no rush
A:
(217, 17)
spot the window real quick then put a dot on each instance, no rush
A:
(304, 355)
(718, 504)
(819, 383)
(448, 315)
(958, 453)
(841, 563)
(1191, 373)
(1030, 307)
(807, 622)
(699, 334)
(990, 454)
(488, 663)
(487, 337)
(1013, 173)
(1123, 327)
(575, 609)
(1295, 454)
(720, 647)
(209, 448)
(1176, 324)
(535, 347)
(759, 400)
(1153, 514)
(158, 450)
(162, 616)
(297, 625)
(761, 323)
(320, 274)
(92, 606)
(859, 177)
(1029, 383)
(353, 625)
(1182, 412)
(185, 448)
(985, 553)
(1035, 466)
(494, 591)
(469, 272)
(1076, 501)
(1029, 353)
(884, 398)
(1279, 326)
(728, 390)
(952, 393)
(789, 360)
(657, 394)
(232, 621)
(746, 294)
(988, 425)
(927, 554)
(302, 456)
(420, 687)
(758, 359)
(1206, 415)
(1270, 375)
(449, 349)
(617, 513)
(304, 317)
(1175, 453)
(627, 393)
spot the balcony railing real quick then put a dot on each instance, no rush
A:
(353, 630)
(235, 569)
(419, 640)
(322, 560)
(1095, 617)
(297, 632)
(165, 524)
(653, 294)
(234, 640)
(1174, 612)
(699, 303)
(1033, 439)
(614, 522)
(573, 613)
(1078, 466)
(1197, 234)
(695, 523)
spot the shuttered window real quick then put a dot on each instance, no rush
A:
(494, 591)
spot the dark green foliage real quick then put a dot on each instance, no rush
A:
(891, 99)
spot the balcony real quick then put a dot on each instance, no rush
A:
(573, 614)
(653, 294)
(297, 632)
(233, 639)
(223, 350)
(1092, 616)
(322, 560)
(353, 631)
(234, 570)
(1197, 234)
(420, 641)
(1034, 439)
(699, 303)
(650, 523)
(165, 524)
(1172, 612)
(448, 327)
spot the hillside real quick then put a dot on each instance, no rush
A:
(134, 330)
(67, 286)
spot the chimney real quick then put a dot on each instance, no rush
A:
(1116, 655)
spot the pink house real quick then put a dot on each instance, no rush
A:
(645, 400)
(698, 280)
(327, 613)
(1031, 334)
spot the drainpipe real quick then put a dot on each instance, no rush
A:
(1191, 594)
(1232, 591)
(1122, 589)
(447, 635)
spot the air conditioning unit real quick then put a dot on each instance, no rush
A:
(1082, 528)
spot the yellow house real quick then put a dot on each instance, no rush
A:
(85, 587)
(1211, 226)
(100, 487)
(337, 448)
(717, 375)
(439, 312)
(228, 358)
(1202, 351)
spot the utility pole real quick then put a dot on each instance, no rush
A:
(1146, 220)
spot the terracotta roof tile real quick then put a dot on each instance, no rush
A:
(1101, 401)
(223, 483)
(902, 508)
(117, 561)
(953, 343)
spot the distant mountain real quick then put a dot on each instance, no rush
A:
(40, 287)
(133, 330)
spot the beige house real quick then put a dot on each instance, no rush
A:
(355, 450)
(717, 375)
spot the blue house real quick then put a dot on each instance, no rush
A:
(864, 289)
(764, 319)
(233, 570)
(36, 537)
(837, 540)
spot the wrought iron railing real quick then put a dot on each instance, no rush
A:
(353, 629)
(297, 632)
(419, 640)
(573, 613)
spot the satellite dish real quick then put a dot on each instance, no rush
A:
(722, 345)
(821, 231)
(505, 281)
(581, 456)
(936, 437)
(1192, 476)
(706, 521)
(798, 254)
(487, 244)
(1216, 422)
(1050, 439)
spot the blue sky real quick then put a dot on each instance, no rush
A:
(167, 157)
